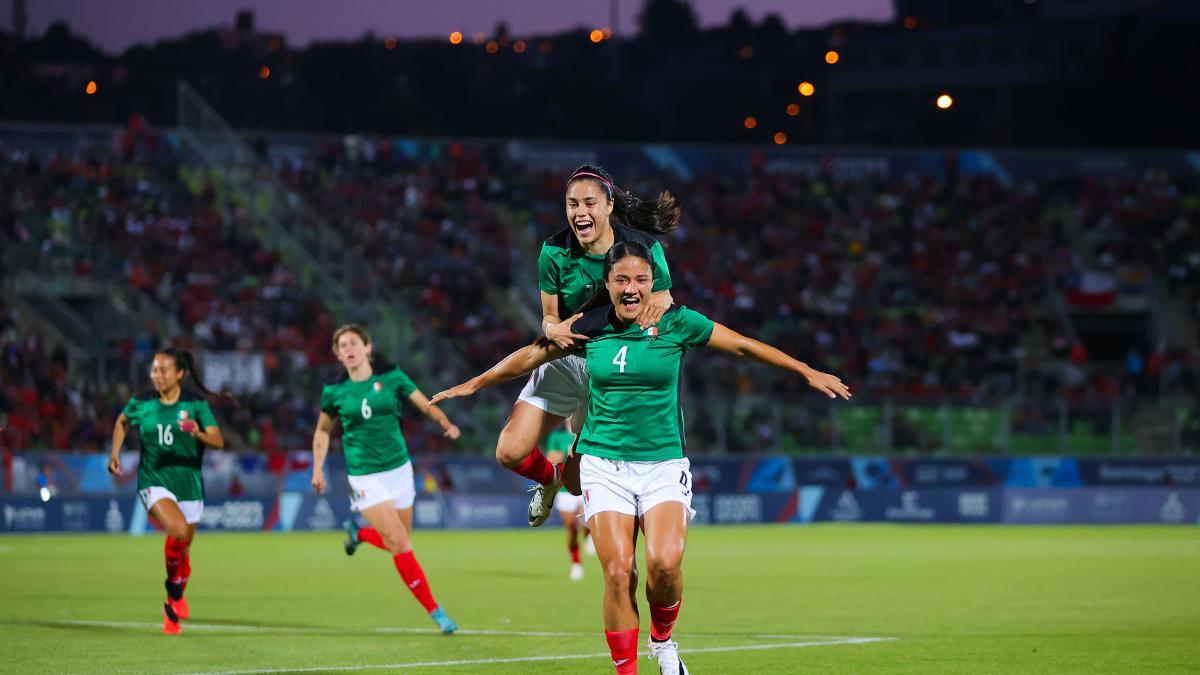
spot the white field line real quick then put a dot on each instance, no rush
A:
(529, 659)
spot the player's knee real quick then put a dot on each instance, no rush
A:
(619, 575)
(396, 542)
(509, 454)
(664, 563)
(179, 532)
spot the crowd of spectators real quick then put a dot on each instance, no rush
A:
(907, 286)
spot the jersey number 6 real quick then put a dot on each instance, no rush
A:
(366, 410)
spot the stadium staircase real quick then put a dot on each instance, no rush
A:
(319, 257)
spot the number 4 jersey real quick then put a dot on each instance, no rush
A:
(171, 458)
(635, 413)
(370, 413)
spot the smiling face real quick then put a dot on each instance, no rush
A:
(588, 209)
(630, 283)
(351, 350)
(164, 374)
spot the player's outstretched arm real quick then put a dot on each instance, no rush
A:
(741, 346)
(320, 447)
(521, 362)
(118, 439)
(449, 430)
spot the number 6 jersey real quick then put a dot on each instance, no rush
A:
(170, 457)
(370, 413)
(635, 413)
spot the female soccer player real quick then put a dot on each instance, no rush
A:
(634, 470)
(380, 473)
(569, 506)
(570, 273)
(175, 425)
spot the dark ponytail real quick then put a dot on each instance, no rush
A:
(660, 216)
(184, 361)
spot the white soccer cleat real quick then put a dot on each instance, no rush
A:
(589, 546)
(541, 505)
(667, 655)
(576, 572)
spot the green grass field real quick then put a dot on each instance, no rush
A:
(782, 598)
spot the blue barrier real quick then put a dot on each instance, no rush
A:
(291, 511)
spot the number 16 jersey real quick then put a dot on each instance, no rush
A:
(171, 458)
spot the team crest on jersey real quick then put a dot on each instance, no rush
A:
(651, 334)
(378, 386)
(183, 414)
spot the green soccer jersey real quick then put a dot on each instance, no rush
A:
(170, 458)
(559, 440)
(575, 277)
(370, 413)
(635, 412)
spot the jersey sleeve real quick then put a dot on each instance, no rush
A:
(548, 278)
(131, 411)
(403, 383)
(694, 328)
(662, 273)
(204, 416)
(328, 404)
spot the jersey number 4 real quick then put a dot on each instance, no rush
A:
(619, 359)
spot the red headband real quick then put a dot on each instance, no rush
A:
(588, 174)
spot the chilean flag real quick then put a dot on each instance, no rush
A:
(1096, 289)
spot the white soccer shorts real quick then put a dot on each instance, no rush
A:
(567, 503)
(395, 485)
(192, 509)
(560, 388)
(633, 488)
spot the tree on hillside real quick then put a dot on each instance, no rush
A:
(669, 21)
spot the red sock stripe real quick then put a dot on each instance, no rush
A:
(414, 577)
(175, 551)
(622, 644)
(371, 536)
(662, 620)
(536, 467)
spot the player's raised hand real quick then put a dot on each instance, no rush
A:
(318, 480)
(462, 390)
(828, 384)
(562, 333)
(114, 465)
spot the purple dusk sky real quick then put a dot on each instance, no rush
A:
(117, 24)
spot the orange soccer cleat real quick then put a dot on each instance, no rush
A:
(170, 621)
